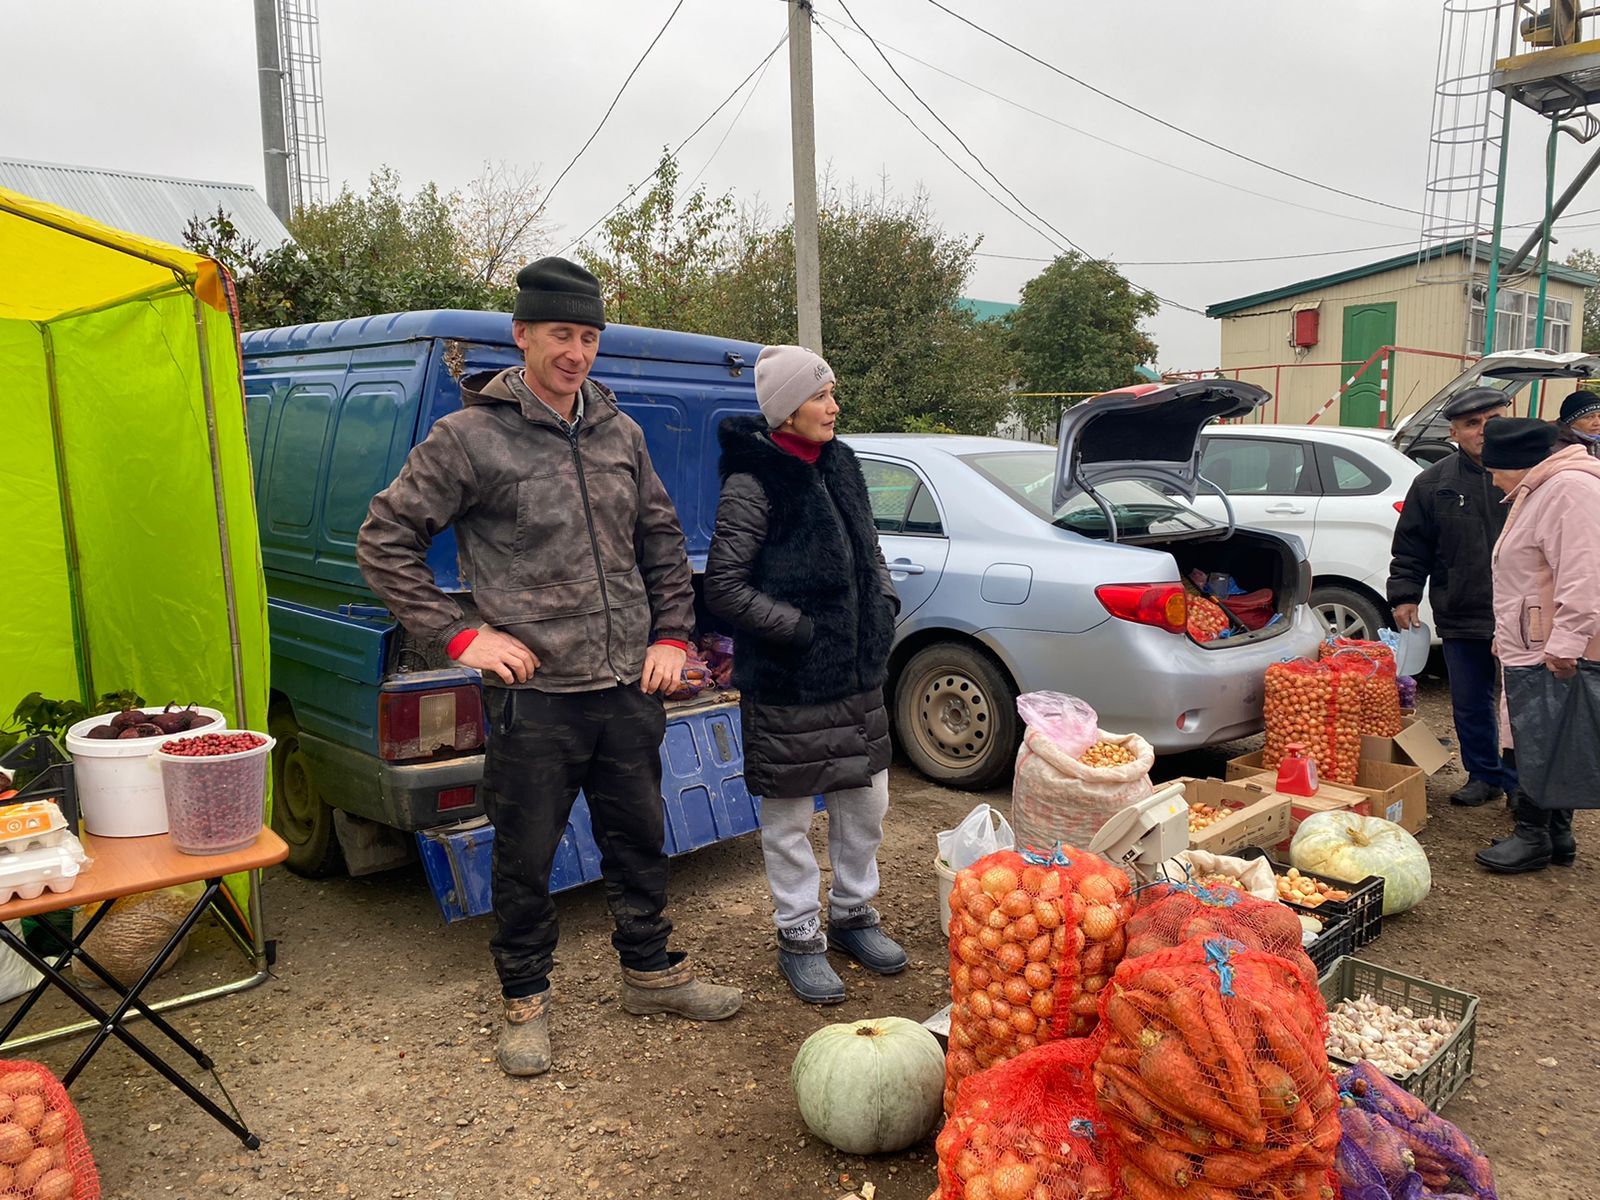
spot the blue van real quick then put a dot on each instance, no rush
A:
(379, 739)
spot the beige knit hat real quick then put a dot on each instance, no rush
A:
(786, 377)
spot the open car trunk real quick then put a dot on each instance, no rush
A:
(1262, 587)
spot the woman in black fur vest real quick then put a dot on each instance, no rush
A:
(795, 568)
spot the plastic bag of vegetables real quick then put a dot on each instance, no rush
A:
(44, 1154)
(1033, 940)
(1318, 706)
(1172, 914)
(1446, 1159)
(1213, 1077)
(1371, 1161)
(1028, 1130)
(1373, 666)
(1071, 777)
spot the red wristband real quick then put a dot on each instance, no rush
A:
(672, 642)
(458, 644)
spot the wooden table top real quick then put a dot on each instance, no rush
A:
(124, 866)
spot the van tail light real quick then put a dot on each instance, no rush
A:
(1163, 605)
(1399, 506)
(421, 723)
(460, 797)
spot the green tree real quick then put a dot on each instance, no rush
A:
(661, 259)
(907, 357)
(1076, 330)
(1588, 260)
(379, 251)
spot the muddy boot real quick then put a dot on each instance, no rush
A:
(676, 990)
(524, 1047)
(1563, 846)
(1527, 849)
(803, 962)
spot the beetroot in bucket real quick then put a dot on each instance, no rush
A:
(216, 787)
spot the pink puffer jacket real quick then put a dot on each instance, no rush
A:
(1547, 564)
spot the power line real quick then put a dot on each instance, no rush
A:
(981, 165)
(1231, 186)
(711, 116)
(732, 125)
(1205, 141)
(607, 115)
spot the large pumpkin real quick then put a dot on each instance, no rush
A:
(870, 1087)
(1348, 846)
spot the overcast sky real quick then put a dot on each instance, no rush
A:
(434, 90)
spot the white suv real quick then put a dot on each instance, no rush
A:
(1339, 490)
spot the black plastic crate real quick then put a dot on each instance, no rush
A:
(47, 768)
(1363, 911)
(1336, 940)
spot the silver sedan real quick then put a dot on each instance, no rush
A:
(1004, 591)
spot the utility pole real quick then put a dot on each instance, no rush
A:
(802, 121)
(270, 81)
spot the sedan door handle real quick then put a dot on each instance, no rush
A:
(906, 567)
(1293, 509)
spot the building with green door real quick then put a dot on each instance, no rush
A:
(1302, 341)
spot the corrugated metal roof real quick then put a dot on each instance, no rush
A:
(156, 206)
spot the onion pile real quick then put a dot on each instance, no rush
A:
(1031, 947)
(1107, 754)
(1318, 706)
(1373, 664)
(1207, 621)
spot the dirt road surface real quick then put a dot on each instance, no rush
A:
(366, 1065)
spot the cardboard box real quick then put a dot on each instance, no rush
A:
(1330, 797)
(1415, 745)
(1258, 818)
(1398, 791)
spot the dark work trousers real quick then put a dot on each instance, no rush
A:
(543, 748)
(1475, 701)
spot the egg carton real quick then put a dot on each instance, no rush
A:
(30, 824)
(28, 874)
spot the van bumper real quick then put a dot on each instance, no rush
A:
(400, 795)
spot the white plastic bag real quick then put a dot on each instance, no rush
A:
(1056, 798)
(1067, 721)
(1255, 873)
(17, 975)
(978, 835)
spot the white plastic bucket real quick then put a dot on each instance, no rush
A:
(216, 804)
(947, 883)
(118, 782)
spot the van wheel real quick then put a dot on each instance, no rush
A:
(955, 716)
(1347, 614)
(300, 816)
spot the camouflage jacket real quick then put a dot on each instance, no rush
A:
(569, 542)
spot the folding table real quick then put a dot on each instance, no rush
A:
(125, 867)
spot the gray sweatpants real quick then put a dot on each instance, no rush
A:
(855, 830)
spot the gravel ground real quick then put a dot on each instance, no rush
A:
(365, 1063)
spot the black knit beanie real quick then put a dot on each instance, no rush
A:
(1579, 404)
(1516, 443)
(553, 289)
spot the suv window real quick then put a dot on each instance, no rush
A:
(1345, 473)
(1254, 466)
(900, 502)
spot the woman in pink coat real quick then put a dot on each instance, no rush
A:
(1547, 612)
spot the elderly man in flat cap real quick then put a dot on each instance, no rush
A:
(584, 602)
(1445, 540)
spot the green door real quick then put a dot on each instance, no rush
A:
(1367, 328)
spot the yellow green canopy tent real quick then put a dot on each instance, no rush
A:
(129, 557)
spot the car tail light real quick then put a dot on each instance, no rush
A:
(1163, 605)
(1399, 506)
(461, 797)
(420, 724)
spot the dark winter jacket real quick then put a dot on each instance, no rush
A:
(1446, 533)
(795, 568)
(569, 543)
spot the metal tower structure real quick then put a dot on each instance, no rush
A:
(294, 143)
(1464, 144)
(300, 43)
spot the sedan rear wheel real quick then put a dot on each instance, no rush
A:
(955, 716)
(1347, 614)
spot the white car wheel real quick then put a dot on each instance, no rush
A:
(1347, 614)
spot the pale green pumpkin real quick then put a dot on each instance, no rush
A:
(1348, 846)
(870, 1087)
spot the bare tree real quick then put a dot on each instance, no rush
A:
(501, 222)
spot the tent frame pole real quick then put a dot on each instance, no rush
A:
(236, 651)
(69, 526)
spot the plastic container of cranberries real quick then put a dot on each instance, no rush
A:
(216, 789)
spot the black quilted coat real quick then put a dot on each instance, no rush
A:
(796, 570)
